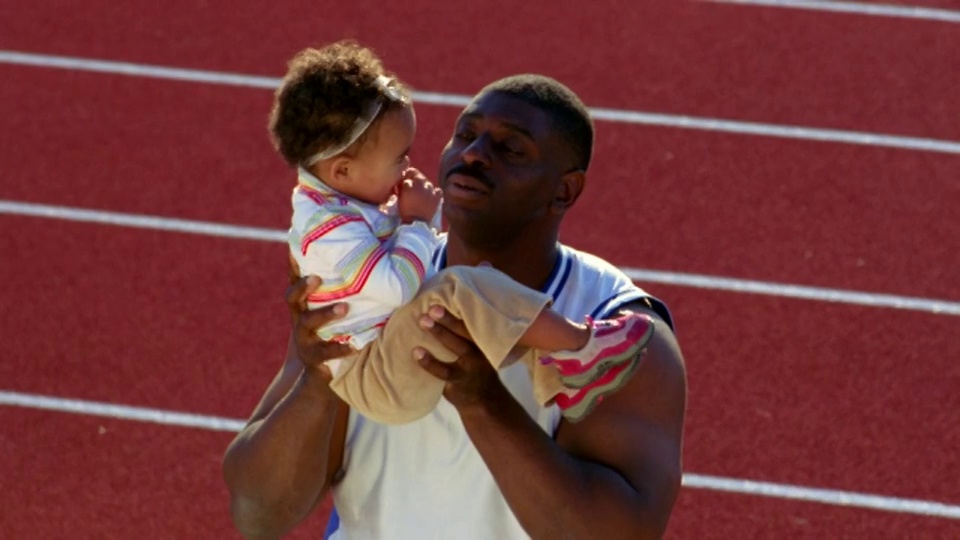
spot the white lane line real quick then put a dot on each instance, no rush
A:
(138, 221)
(778, 131)
(454, 100)
(940, 307)
(786, 290)
(857, 8)
(832, 497)
(122, 412)
(690, 480)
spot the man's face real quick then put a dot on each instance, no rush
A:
(501, 169)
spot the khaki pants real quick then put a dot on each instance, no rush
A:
(385, 383)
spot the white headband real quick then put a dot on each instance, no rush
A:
(360, 125)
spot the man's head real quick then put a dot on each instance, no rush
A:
(516, 162)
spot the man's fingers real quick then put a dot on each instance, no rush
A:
(314, 319)
(332, 349)
(440, 370)
(453, 342)
(298, 292)
(448, 321)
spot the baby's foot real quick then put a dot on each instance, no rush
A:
(612, 342)
(575, 403)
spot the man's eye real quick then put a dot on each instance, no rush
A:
(512, 150)
(465, 136)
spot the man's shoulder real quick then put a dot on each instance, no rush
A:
(591, 270)
(616, 288)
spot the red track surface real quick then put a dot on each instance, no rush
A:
(799, 392)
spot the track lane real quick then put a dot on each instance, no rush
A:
(127, 316)
(812, 394)
(75, 475)
(825, 70)
(707, 514)
(800, 212)
(70, 476)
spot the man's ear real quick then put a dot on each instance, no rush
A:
(568, 190)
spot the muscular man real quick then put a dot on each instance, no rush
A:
(488, 463)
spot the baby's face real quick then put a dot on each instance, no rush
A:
(383, 157)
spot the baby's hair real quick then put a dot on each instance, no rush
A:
(569, 114)
(323, 93)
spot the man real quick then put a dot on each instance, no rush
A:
(488, 462)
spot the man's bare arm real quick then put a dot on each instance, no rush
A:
(616, 474)
(281, 464)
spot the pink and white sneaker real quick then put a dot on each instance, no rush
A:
(577, 403)
(612, 342)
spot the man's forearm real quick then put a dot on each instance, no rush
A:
(553, 494)
(276, 468)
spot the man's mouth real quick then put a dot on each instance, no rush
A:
(468, 183)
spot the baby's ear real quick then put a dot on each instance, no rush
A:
(341, 168)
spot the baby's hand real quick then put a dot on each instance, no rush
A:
(417, 197)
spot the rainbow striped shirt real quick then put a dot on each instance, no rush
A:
(361, 252)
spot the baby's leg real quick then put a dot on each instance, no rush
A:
(551, 332)
(496, 310)
(385, 382)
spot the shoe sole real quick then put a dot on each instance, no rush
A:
(581, 380)
(596, 395)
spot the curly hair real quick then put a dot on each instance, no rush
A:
(570, 116)
(321, 96)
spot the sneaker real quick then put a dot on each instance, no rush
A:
(575, 404)
(612, 342)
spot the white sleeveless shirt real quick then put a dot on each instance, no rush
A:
(426, 480)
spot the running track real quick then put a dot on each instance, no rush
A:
(802, 393)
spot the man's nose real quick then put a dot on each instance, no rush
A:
(477, 152)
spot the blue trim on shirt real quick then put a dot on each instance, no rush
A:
(333, 525)
(439, 255)
(563, 264)
(618, 299)
(615, 302)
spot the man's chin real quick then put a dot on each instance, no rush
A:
(462, 217)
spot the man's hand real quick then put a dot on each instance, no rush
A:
(312, 350)
(471, 380)
(417, 198)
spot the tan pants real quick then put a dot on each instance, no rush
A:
(385, 383)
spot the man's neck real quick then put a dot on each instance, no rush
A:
(528, 265)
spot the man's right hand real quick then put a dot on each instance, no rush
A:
(311, 349)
